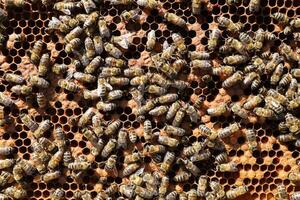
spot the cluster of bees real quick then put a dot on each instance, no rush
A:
(102, 76)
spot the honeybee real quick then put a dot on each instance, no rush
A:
(152, 149)
(156, 90)
(122, 139)
(113, 127)
(88, 78)
(109, 148)
(179, 43)
(66, 7)
(21, 89)
(167, 162)
(295, 196)
(167, 98)
(281, 193)
(132, 15)
(132, 158)
(73, 45)
(89, 48)
(224, 71)
(295, 23)
(6, 163)
(151, 40)
(59, 69)
(5, 100)
(103, 29)
(172, 195)
(190, 166)
(79, 165)
(151, 4)
(273, 104)
(229, 25)
(291, 92)
(250, 135)
(67, 158)
(67, 85)
(227, 167)
(43, 127)
(192, 113)
(181, 176)
(254, 5)
(110, 164)
(218, 110)
(158, 79)
(144, 193)
(14, 78)
(139, 80)
(233, 80)
(110, 71)
(27, 121)
(119, 63)
(146, 108)
(158, 111)
(36, 52)
(168, 141)
(93, 65)
(239, 111)
(147, 130)
(18, 172)
(277, 74)
(280, 17)
(264, 112)
(292, 123)
(130, 169)
(50, 176)
(41, 100)
(270, 66)
(235, 59)
(174, 19)
(288, 52)
(15, 192)
(44, 64)
(286, 138)
(179, 117)
(167, 54)
(106, 107)
(213, 39)
(163, 187)
(228, 131)
(38, 82)
(176, 131)
(279, 97)
(121, 2)
(38, 162)
(132, 137)
(294, 176)
(98, 44)
(88, 5)
(56, 159)
(49, 145)
(294, 104)
(26, 166)
(202, 65)
(235, 44)
(58, 194)
(236, 192)
(127, 190)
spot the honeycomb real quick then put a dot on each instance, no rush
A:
(260, 170)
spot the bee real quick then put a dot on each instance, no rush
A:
(174, 19)
(228, 131)
(147, 107)
(133, 138)
(239, 111)
(277, 74)
(221, 158)
(115, 62)
(168, 141)
(202, 155)
(281, 193)
(235, 44)
(150, 4)
(233, 80)
(38, 82)
(294, 104)
(67, 158)
(26, 166)
(229, 25)
(292, 123)
(153, 149)
(88, 5)
(178, 65)
(282, 127)
(5, 100)
(167, 54)
(92, 138)
(254, 6)
(250, 79)
(147, 130)
(59, 69)
(195, 55)
(110, 164)
(287, 51)
(3, 119)
(192, 113)
(88, 78)
(6, 163)
(218, 110)
(79, 165)
(27, 121)
(50, 176)
(18, 172)
(202, 65)
(73, 45)
(114, 95)
(294, 176)
(279, 97)
(285, 80)
(179, 43)
(156, 90)
(103, 29)
(66, 7)
(295, 23)
(41, 100)
(291, 92)
(151, 40)
(127, 190)
(44, 65)
(176, 131)
(121, 2)
(38, 162)
(167, 162)
(227, 167)
(167, 98)
(213, 39)
(132, 158)
(273, 104)
(193, 149)
(56, 159)
(190, 166)
(58, 194)
(139, 80)
(286, 138)
(295, 196)
(197, 6)
(113, 127)
(130, 169)
(14, 78)
(110, 71)
(21, 89)
(43, 127)
(224, 71)
(36, 52)
(132, 15)
(158, 111)
(122, 139)
(172, 195)
(179, 117)
(144, 193)
(90, 48)
(133, 72)
(109, 148)
(98, 44)
(59, 136)
(251, 137)
(68, 85)
(179, 84)
(15, 192)
(280, 17)
(236, 192)
(93, 65)
(235, 59)
(163, 187)
(181, 176)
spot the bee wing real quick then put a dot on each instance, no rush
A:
(140, 171)
(125, 40)
(53, 23)
(166, 45)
